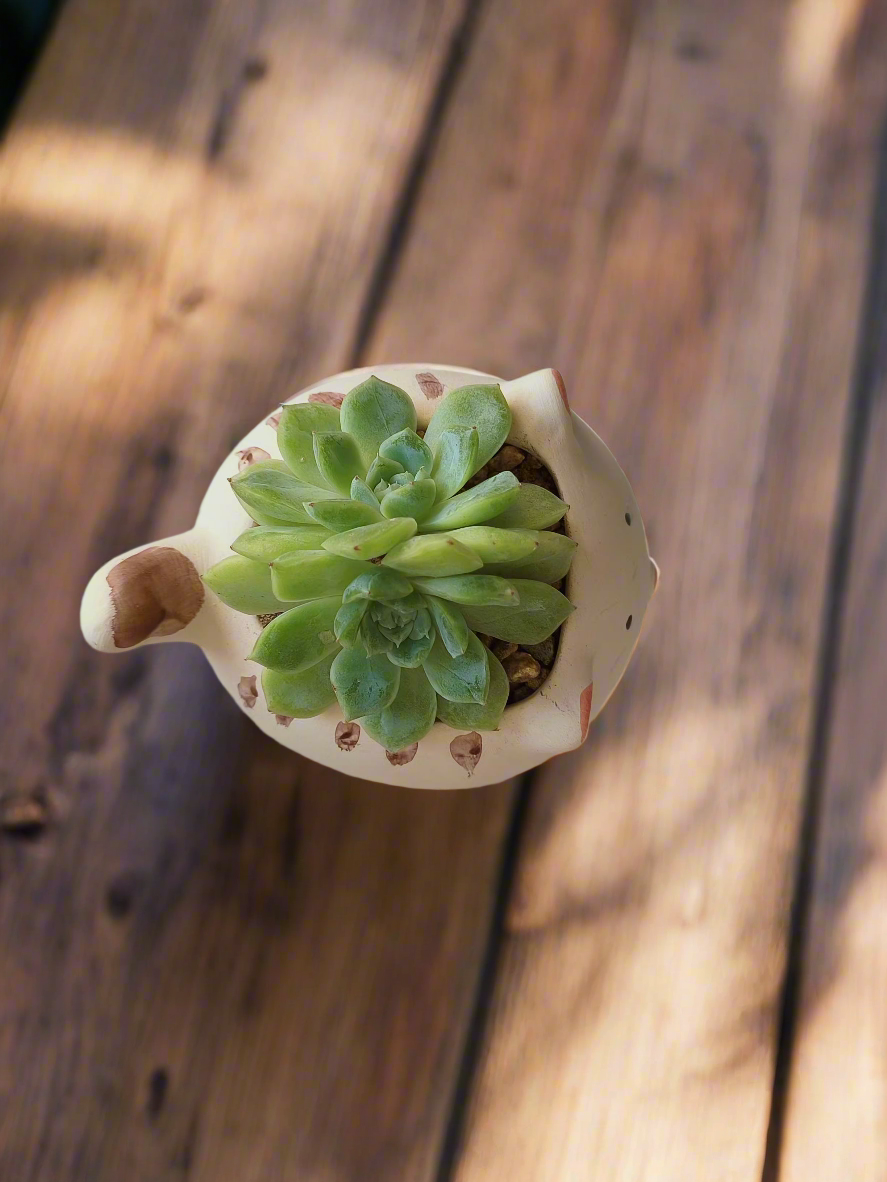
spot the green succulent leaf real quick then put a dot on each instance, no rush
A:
(409, 500)
(473, 716)
(409, 717)
(408, 449)
(476, 504)
(374, 411)
(412, 652)
(490, 590)
(369, 541)
(533, 508)
(347, 623)
(300, 695)
(548, 562)
(244, 585)
(432, 554)
(483, 407)
(377, 583)
(337, 515)
(465, 678)
(372, 638)
(295, 437)
(494, 545)
(308, 574)
(361, 491)
(364, 684)
(382, 470)
(338, 459)
(299, 638)
(455, 460)
(450, 624)
(264, 543)
(541, 609)
(273, 496)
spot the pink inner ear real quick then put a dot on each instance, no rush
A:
(585, 710)
(562, 389)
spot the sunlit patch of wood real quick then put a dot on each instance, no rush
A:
(817, 32)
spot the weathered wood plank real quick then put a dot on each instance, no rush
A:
(688, 255)
(835, 1123)
(217, 961)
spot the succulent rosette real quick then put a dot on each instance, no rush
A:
(381, 567)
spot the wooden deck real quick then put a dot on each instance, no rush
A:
(660, 959)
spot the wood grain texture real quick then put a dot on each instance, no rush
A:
(689, 246)
(836, 1115)
(217, 961)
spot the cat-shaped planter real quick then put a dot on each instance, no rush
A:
(155, 593)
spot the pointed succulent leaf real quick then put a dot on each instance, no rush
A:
(534, 507)
(455, 460)
(432, 554)
(309, 574)
(473, 716)
(372, 637)
(422, 625)
(541, 609)
(409, 449)
(348, 620)
(465, 678)
(399, 479)
(472, 589)
(549, 562)
(381, 469)
(374, 411)
(244, 585)
(264, 543)
(295, 437)
(273, 496)
(364, 684)
(496, 545)
(410, 716)
(369, 541)
(476, 504)
(409, 500)
(299, 695)
(450, 624)
(411, 652)
(377, 583)
(337, 515)
(338, 459)
(299, 638)
(361, 491)
(483, 407)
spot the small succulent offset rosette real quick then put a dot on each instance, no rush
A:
(418, 574)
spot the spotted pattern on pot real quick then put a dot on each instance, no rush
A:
(467, 750)
(399, 758)
(585, 711)
(347, 736)
(430, 386)
(251, 455)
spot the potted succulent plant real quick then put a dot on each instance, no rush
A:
(420, 574)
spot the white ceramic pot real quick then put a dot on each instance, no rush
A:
(154, 594)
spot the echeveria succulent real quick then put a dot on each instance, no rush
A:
(384, 566)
